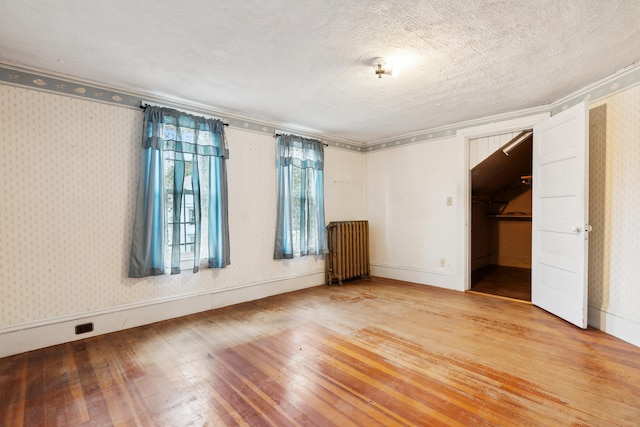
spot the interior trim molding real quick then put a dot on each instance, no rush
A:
(450, 131)
(46, 81)
(603, 88)
(463, 136)
(71, 86)
(407, 274)
(29, 336)
(615, 324)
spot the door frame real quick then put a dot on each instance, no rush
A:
(463, 136)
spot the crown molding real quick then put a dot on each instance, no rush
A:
(84, 89)
(46, 81)
(608, 86)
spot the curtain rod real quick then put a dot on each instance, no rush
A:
(144, 107)
(281, 132)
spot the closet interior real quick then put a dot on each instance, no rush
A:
(501, 217)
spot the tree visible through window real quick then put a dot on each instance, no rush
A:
(186, 220)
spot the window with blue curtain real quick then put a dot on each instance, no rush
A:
(300, 228)
(181, 208)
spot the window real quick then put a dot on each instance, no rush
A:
(181, 213)
(181, 218)
(300, 224)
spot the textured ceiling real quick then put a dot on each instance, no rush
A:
(306, 65)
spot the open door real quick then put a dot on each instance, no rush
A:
(560, 215)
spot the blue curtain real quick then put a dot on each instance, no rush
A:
(300, 228)
(183, 166)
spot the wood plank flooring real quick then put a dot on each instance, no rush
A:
(370, 353)
(508, 282)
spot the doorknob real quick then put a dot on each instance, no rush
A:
(588, 228)
(576, 229)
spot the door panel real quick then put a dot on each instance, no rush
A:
(560, 215)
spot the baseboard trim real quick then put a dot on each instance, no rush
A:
(24, 337)
(609, 322)
(480, 262)
(423, 277)
(614, 324)
(29, 336)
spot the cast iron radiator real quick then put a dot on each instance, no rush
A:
(348, 256)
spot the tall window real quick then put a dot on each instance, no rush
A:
(300, 229)
(181, 213)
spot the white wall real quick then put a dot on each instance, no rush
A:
(412, 229)
(614, 203)
(344, 185)
(411, 226)
(69, 171)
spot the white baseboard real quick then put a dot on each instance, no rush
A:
(613, 324)
(424, 277)
(34, 335)
(24, 337)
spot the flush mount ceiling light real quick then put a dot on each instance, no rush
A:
(381, 67)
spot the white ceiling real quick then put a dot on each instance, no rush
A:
(306, 64)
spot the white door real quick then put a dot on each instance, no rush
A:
(560, 215)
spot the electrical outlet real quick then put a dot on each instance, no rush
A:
(449, 201)
(442, 262)
(84, 328)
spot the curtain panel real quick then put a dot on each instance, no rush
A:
(300, 228)
(182, 194)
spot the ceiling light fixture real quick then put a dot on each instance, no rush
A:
(381, 68)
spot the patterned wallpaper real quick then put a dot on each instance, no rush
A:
(41, 80)
(411, 225)
(67, 179)
(411, 228)
(344, 185)
(69, 171)
(614, 203)
(70, 86)
(608, 86)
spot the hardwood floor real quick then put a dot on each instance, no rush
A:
(508, 282)
(368, 353)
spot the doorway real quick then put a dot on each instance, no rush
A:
(560, 224)
(501, 214)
